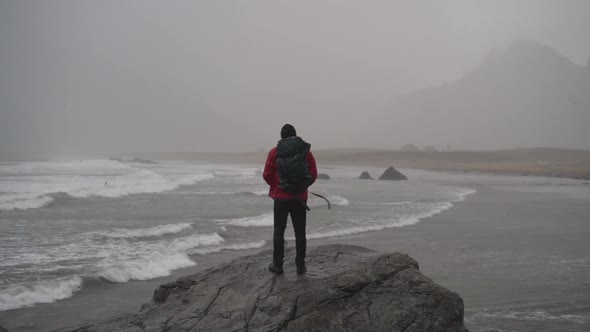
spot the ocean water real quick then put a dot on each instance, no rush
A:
(80, 234)
(68, 224)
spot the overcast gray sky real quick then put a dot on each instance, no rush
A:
(121, 76)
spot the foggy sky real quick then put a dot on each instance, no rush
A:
(84, 77)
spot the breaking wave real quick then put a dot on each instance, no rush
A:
(43, 292)
(237, 246)
(339, 200)
(152, 266)
(30, 185)
(383, 224)
(463, 193)
(116, 260)
(266, 220)
(23, 202)
(145, 232)
(532, 315)
(247, 193)
(334, 200)
(153, 261)
(263, 220)
(410, 213)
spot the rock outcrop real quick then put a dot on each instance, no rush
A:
(346, 288)
(392, 174)
(323, 176)
(3, 329)
(365, 176)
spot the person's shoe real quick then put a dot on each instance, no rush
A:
(275, 269)
(301, 269)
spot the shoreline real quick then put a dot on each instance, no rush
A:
(539, 162)
(449, 247)
(545, 162)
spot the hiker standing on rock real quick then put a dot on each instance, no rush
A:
(289, 170)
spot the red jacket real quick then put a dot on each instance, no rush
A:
(271, 176)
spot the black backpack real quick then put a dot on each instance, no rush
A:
(294, 175)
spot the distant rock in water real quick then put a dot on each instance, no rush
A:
(392, 174)
(365, 176)
(346, 288)
(323, 176)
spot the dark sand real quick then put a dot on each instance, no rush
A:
(518, 259)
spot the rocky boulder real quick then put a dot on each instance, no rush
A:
(392, 174)
(365, 176)
(3, 329)
(323, 176)
(346, 288)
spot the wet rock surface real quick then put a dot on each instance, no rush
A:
(392, 174)
(323, 176)
(365, 176)
(346, 288)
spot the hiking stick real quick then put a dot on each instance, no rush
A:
(320, 196)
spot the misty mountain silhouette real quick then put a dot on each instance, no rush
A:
(526, 95)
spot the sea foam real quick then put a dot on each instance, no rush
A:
(263, 220)
(334, 200)
(147, 261)
(145, 232)
(236, 246)
(147, 267)
(115, 259)
(417, 211)
(377, 225)
(31, 185)
(23, 202)
(266, 220)
(43, 292)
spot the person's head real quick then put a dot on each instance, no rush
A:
(288, 131)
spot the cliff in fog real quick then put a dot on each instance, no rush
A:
(526, 95)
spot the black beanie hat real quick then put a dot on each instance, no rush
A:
(288, 131)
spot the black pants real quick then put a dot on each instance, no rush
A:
(282, 209)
